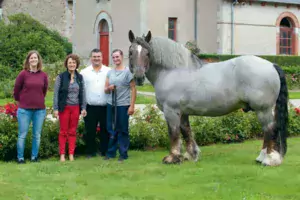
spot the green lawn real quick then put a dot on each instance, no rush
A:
(145, 88)
(224, 172)
(141, 99)
(294, 95)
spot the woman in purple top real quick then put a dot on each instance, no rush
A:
(29, 91)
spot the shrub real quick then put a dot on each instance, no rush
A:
(281, 60)
(148, 130)
(234, 127)
(22, 34)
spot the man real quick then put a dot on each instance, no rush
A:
(94, 78)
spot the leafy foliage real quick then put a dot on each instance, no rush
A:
(22, 34)
(278, 59)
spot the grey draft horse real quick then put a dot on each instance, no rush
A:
(185, 85)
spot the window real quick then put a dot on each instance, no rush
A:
(286, 37)
(286, 41)
(172, 28)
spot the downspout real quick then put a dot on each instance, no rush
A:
(232, 25)
(0, 13)
(74, 49)
(195, 20)
(1, 1)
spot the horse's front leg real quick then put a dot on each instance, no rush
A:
(173, 121)
(192, 149)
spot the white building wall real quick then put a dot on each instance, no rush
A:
(255, 28)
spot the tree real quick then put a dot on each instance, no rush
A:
(23, 33)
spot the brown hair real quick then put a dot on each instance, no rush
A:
(117, 50)
(26, 65)
(74, 57)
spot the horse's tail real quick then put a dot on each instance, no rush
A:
(281, 114)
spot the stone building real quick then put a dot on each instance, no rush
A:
(55, 14)
(261, 27)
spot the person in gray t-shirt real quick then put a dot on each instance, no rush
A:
(119, 80)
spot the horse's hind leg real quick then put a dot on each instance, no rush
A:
(192, 149)
(269, 155)
(173, 121)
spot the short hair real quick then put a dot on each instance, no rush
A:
(95, 51)
(117, 50)
(74, 57)
(26, 65)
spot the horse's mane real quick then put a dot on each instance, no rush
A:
(170, 54)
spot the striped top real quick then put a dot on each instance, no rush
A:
(73, 94)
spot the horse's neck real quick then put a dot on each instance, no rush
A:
(153, 73)
(169, 54)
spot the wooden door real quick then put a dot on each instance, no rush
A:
(104, 47)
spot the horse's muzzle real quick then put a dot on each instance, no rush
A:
(139, 80)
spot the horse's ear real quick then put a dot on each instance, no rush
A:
(131, 36)
(148, 36)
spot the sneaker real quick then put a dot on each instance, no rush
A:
(91, 156)
(35, 160)
(106, 158)
(120, 160)
(21, 161)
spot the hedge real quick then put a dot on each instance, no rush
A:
(280, 60)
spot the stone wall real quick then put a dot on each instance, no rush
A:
(55, 14)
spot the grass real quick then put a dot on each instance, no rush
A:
(145, 88)
(224, 172)
(294, 95)
(141, 99)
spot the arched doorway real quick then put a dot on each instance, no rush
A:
(287, 40)
(287, 43)
(104, 41)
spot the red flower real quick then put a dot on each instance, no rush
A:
(10, 109)
(98, 129)
(297, 110)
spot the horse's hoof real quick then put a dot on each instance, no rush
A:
(173, 159)
(261, 156)
(272, 159)
(189, 157)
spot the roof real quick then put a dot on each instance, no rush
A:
(282, 1)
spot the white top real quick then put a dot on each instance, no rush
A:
(94, 83)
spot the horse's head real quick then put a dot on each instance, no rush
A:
(139, 56)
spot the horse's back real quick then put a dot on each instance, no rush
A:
(220, 88)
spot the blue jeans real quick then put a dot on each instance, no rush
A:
(121, 134)
(25, 116)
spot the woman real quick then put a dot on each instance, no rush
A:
(68, 103)
(30, 91)
(119, 80)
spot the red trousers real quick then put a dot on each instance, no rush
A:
(68, 120)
